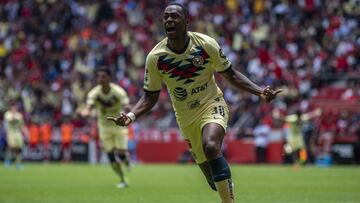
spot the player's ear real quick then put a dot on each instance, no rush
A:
(187, 22)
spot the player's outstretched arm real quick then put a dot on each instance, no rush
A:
(25, 132)
(313, 114)
(243, 83)
(145, 104)
(85, 111)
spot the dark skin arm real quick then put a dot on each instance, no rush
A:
(148, 101)
(145, 104)
(241, 82)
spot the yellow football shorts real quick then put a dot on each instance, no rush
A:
(296, 142)
(113, 138)
(216, 112)
(14, 140)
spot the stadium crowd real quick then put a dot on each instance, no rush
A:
(49, 50)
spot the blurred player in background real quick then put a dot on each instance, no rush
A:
(109, 99)
(15, 130)
(186, 62)
(295, 144)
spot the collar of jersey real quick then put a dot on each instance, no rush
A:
(183, 50)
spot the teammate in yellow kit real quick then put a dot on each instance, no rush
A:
(295, 144)
(15, 130)
(109, 99)
(186, 62)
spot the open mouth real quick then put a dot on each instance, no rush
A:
(171, 29)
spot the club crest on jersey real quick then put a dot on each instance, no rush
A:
(198, 61)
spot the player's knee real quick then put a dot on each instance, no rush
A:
(111, 157)
(212, 149)
(220, 169)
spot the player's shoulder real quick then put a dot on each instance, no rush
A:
(116, 87)
(95, 90)
(6, 114)
(158, 48)
(201, 37)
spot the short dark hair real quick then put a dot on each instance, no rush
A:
(183, 8)
(105, 70)
(13, 102)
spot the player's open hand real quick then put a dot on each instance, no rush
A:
(269, 93)
(121, 120)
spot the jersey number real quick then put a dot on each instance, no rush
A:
(219, 110)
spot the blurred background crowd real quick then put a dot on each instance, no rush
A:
(49, 50)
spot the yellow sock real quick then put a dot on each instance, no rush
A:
(225, 190)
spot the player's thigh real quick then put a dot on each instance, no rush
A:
(10, 140)
(296, 142)
(192, 136)
(214, 122)
(217, 113)
(20, 142)
(107, 139)
(15, 140)
(121, 139)
(212, 137)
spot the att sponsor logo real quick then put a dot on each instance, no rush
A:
(199, 89)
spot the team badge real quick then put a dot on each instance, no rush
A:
(198, 61)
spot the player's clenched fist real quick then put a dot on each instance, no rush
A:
(121, 120)
(269, 94)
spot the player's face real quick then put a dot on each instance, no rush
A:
(13, 107)
(103, 78)
(174, 21)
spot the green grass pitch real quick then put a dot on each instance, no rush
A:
(80, 183)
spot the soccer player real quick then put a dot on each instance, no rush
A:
(15, 130)
(109, 99)
(186, 61)
(295, 144)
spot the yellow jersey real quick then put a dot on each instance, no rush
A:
(14, 122)
(107, 104)
(189, 76)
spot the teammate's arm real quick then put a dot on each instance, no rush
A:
(152, 88)
(308, 116)
(89, 105)
(145, 104)
(86, 111)
(241, 82)
(25, 132)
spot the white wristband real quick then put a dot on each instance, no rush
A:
(132, 116)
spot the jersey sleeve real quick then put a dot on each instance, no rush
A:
(7, 116)
(91, 96)
(291, 118)
(152, 77)
(220, 62)
(123, 96)
(6, 121)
